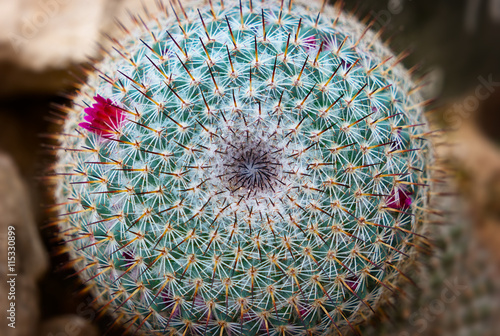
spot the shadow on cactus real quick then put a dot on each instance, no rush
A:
(244, 168)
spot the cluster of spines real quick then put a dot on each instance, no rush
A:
(121, 167)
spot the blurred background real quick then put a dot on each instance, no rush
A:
(456, 44)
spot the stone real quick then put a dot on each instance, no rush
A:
(31, 259)
(68, 325)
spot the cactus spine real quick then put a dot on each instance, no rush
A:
(247, 168)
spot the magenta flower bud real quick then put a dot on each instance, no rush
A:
(103, 117)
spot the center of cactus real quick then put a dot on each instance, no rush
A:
(251, 166)
(248, 165)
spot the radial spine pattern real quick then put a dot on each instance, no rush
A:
(238, 168)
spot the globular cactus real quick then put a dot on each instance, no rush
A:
(244, 168)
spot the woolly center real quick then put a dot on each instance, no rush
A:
(251, 167)
(250, 163)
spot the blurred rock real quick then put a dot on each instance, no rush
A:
(476, 157)
(68, 325)
(41, 39)
(31, 260)
(38, 35)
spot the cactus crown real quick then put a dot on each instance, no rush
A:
(244, 169)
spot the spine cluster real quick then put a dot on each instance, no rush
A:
(244, 168)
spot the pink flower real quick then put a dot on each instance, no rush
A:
(399, 199)
(309, 43)
(102, 118)
(352, 282)
(128, 255)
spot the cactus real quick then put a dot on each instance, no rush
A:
(244, 168)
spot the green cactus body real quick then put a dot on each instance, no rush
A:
(245, 169)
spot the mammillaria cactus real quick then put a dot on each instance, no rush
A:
(244, 168)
